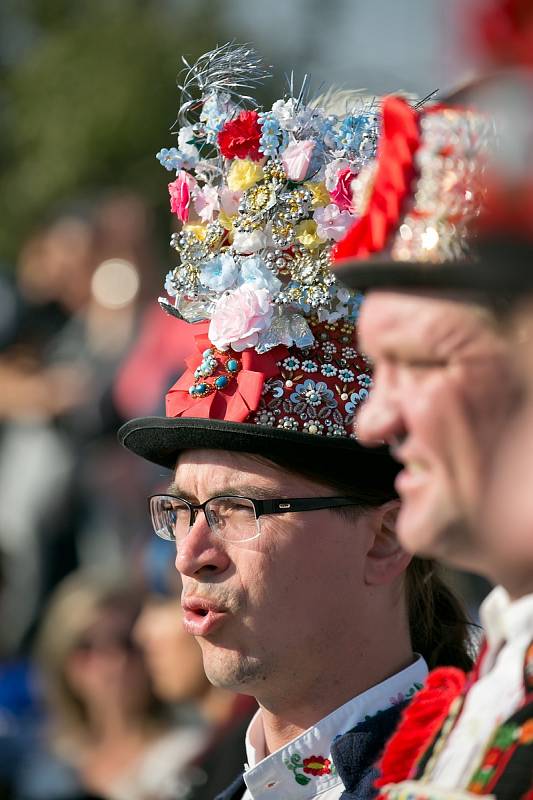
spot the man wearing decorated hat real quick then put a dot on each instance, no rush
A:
(445, 387)
(293, 580)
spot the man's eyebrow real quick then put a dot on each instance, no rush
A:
(245, 490)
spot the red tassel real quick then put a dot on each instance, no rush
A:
(420, 723)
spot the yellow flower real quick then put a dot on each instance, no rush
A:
(226, 220)
(197, 228)
(307, 235)
(243, 173)
(320, 194)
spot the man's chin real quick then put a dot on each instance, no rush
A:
(228, 669)
(433, 534)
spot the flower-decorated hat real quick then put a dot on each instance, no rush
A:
(419, 201)
(262, 196)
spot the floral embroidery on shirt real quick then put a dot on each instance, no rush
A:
(314, 765)
(317, 765)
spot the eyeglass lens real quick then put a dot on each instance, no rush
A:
(231, 518)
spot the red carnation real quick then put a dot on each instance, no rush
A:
(240, 137)
(317, 765)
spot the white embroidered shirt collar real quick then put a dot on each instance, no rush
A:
(304, 767)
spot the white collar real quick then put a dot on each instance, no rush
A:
(506, 620)
(304, 768)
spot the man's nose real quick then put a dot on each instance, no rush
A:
(379, 419)
(201, 553)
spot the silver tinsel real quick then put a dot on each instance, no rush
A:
(229, 68)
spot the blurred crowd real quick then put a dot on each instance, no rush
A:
(101, 693)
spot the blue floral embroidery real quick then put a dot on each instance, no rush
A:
(346, 375)
(313, 394)
(355, 399)
(364, 380)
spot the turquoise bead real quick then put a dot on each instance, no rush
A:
(221, 382)
(232, 365)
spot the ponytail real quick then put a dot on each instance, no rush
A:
(438, 622)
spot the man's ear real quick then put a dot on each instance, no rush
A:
(386, 559)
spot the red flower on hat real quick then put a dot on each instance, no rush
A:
(240, 395)
(400, 139)
(240, 137)
(317, 765)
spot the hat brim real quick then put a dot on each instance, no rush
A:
(503, 266)
(162, 439)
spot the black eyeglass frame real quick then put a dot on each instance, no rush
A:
(279, 505)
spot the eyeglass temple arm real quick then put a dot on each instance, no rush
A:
(302, 504)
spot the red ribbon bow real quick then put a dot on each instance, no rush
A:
(400, 139)
(237, 400)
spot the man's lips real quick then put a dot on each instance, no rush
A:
(202, 616)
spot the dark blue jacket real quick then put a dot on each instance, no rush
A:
(354, 753)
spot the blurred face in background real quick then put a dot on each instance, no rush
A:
(442, 390)
(508, 520)
(105, 666)
(174, 658)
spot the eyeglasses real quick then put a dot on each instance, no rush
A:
(230, 517)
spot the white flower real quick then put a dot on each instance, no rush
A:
(190, 151)
(249, 242)
(332, 170)
(284, 111)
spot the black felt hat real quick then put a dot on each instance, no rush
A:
(503, 266)
(162, 439)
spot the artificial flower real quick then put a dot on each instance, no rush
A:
(284, 112)
(239, 317)
(251, 242)
(240, 137)
(186, 146)
(180, 192)
(296, 159)
(220, 273)
(342, 193)
(256, 274)
(226, 220)
(216, 110)
(198, 228)
(206, 203)
(332, 170)
(320, 194)
(170, 159)
(243, 174)
(332, 223)
(229, 200)
(306, 234)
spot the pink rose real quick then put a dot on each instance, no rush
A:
(239, 317)
(296, 159)
(332, 223)
(180, 192)
(342, 193)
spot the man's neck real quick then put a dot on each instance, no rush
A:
(283, 722)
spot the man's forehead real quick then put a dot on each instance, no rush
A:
(203, 473)
(396, 322)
